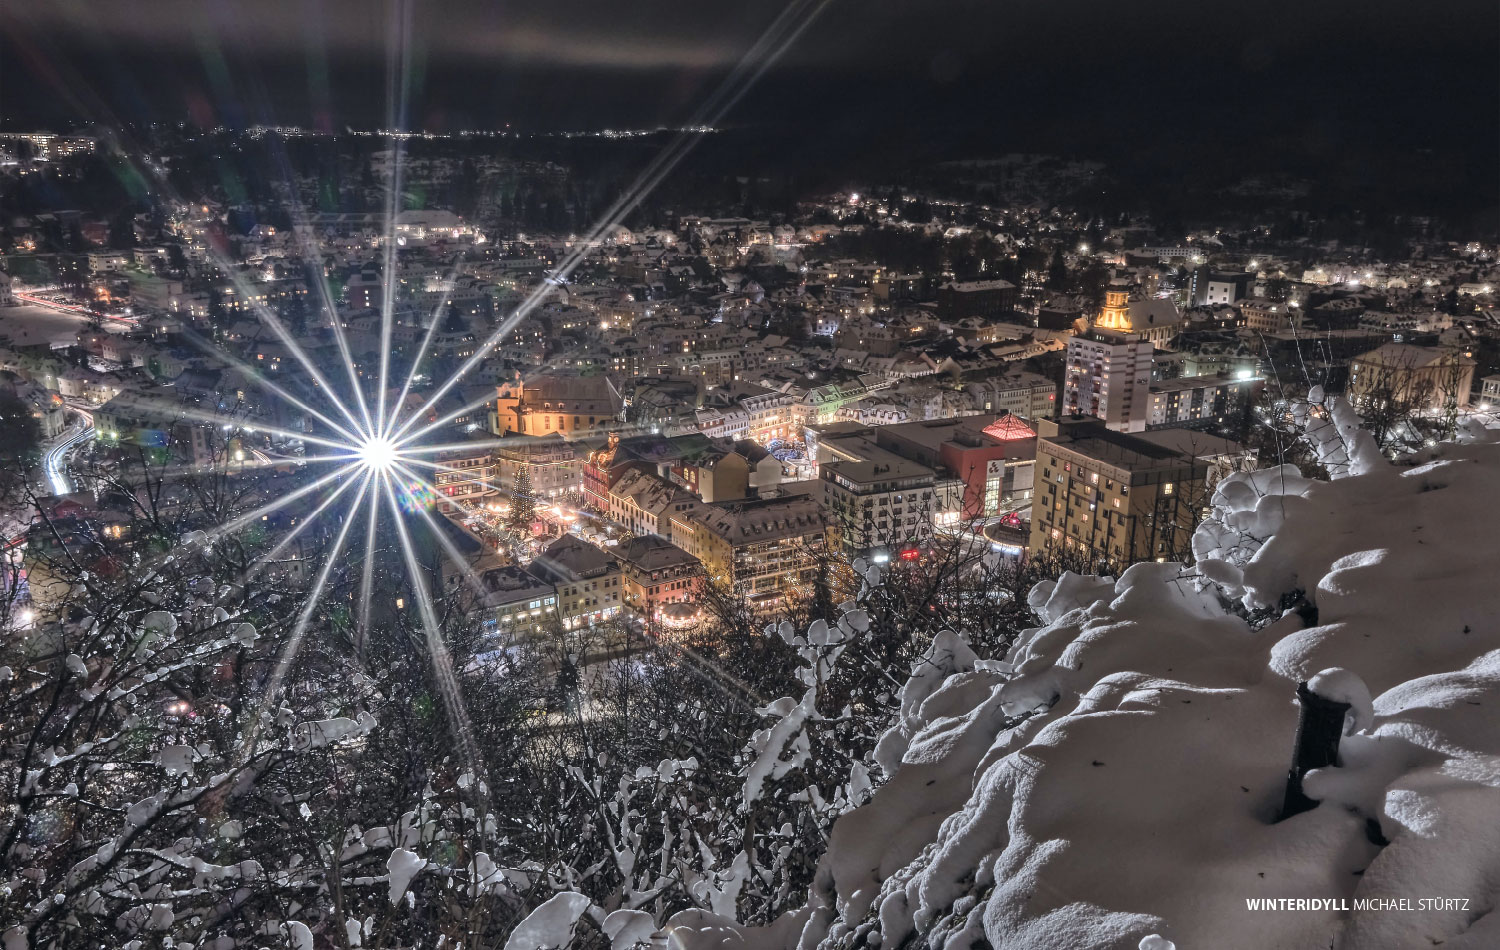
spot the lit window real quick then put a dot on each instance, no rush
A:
(1166, 488)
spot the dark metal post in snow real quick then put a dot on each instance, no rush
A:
(1319, 728)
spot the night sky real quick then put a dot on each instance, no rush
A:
(1042, 75)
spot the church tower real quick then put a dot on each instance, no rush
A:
(1116, 312)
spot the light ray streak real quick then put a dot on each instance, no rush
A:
(314, 265)
(113, 130)
(177, 410)
(340, 339)
(231, 271)
(446, 499)
(453, 553)
(243, 288)
(282, 502)
(301, 526)
(464, 478)
(517, 440)
(366, 585)
(188, 469)
(783, 31)
(403, 436)
(293, 645)
(442, 662)
(447, 287)
(398, 68)
(262, 380)
(438, 422)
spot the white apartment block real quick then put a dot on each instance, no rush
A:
(1108, 376)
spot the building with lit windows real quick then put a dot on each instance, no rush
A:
(1199, 400)
(553, 468)
(1424, 377)
(50, 147)
(590, 587)
(465, 475)
(976, 298)
(517, 604)
(878, 508)
(867, 336)
(1111, 498)
(644, 503)
(1489, 393)
(1028, 395)
(1265, 316)
(761, 549)
(1108, 374)
(571, 405)
(748, 411)
(657, 573)
(990, 458)
(1153, 319)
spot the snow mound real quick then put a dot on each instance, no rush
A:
(1121, 785)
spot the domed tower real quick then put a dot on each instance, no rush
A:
(1116, 312)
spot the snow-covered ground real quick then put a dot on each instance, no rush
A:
(1118, 781)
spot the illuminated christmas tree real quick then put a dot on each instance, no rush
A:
(522, 500)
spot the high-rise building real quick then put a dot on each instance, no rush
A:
(1108, 375)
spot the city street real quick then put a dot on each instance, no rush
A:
(55, 457)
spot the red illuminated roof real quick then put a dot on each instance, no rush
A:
(1009, 428)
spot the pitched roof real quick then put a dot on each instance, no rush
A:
(570, 559)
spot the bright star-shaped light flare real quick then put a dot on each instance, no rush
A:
(378, 454)
(382, 463)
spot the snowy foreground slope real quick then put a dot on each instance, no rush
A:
(1136, 805)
